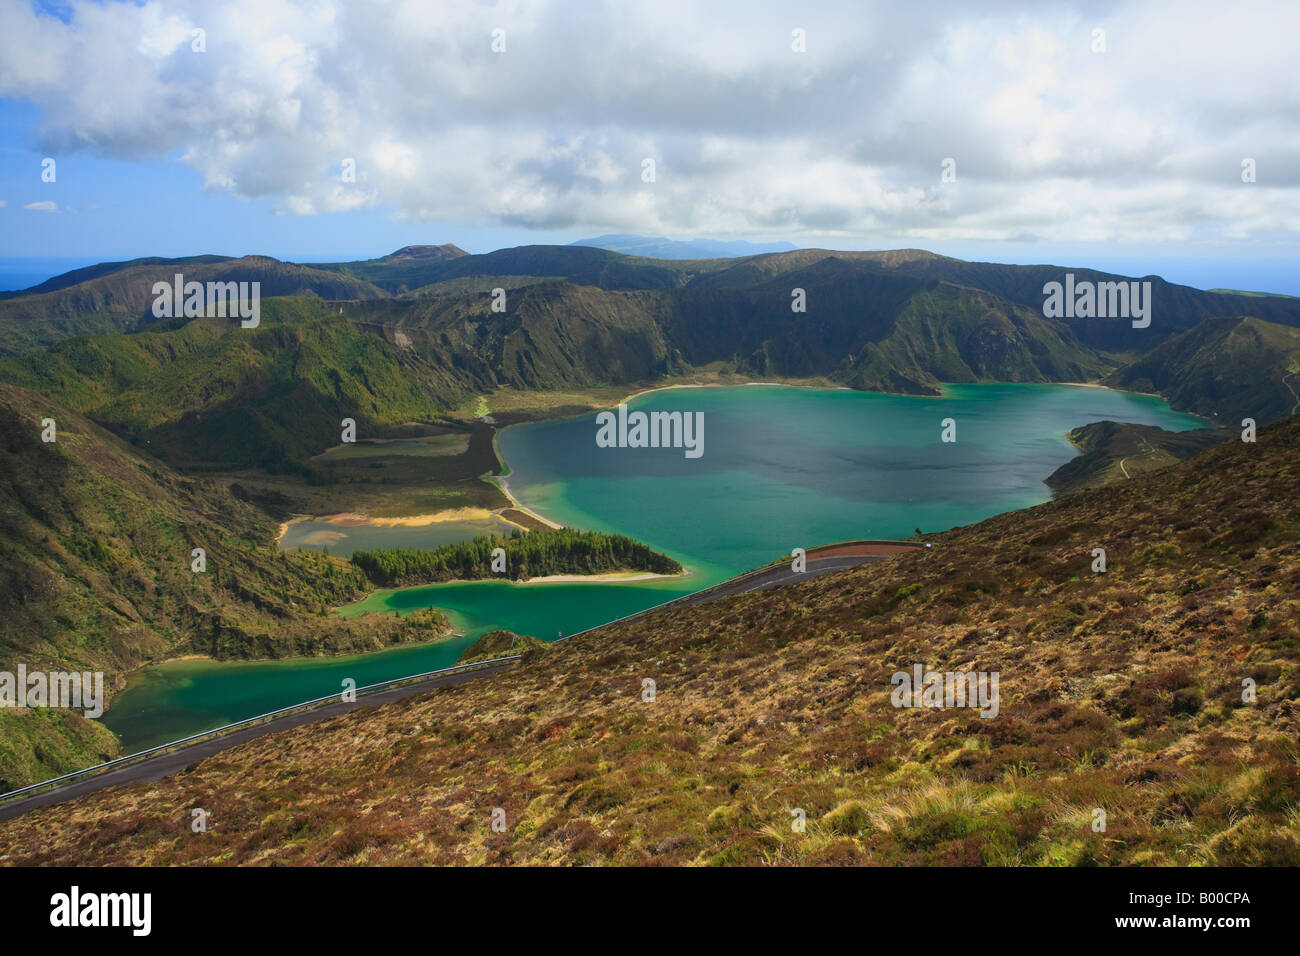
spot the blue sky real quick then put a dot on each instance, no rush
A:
(121, 209)
(1126, 158)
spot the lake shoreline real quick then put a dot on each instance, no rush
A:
(502, 483)
(562, 604)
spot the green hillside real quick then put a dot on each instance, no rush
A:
(95, 574)
(1226, 369)
(1118, 451)
(212, 394)
(118, 297)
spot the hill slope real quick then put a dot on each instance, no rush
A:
(1230, 368)
(95, 574)
(1118, 451)
(1120, 692)
(118, 297)
(209, 393)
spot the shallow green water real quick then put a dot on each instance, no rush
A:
(782, 468)
(341, 540)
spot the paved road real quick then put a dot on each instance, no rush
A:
(819, 561)
(781, 575)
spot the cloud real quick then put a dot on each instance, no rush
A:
(44, 205)
(1051, 140)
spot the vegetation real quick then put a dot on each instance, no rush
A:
(95, 574)
(184, 433)
(1225, 369)
(531, 554)
(1120, 691)
(496, 644)
(118, 296)
(1117, 451)
(209, 394)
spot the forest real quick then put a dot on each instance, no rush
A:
(527, 555)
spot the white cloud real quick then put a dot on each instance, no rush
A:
(1052, 141)
(44, 205)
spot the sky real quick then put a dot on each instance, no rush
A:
(1107, 134)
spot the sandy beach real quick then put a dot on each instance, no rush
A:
(501, 482)
(355, 519)
(619, 576)
(664, 388)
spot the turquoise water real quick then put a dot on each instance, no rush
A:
(782, 468)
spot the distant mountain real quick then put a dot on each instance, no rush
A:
(868, 329)
(87, 273)
(118, 297)
(661, 247)
(395, 273)
(1175, 308)
(415, 330)
(426, 253)
(1264, 295)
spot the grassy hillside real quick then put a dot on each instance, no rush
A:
(1120, 691)
(1227, 369)
(212, 394)
(117, 297)
(495, 644)
(95, 574)
(1175, 308)
(1118, 451)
